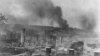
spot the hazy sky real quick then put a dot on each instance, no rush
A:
(73, 10)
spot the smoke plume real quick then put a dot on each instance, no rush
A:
(34, 12)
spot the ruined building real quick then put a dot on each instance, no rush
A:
(35, 36)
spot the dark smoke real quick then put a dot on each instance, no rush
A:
(59, 18)
(54, 13)
(51, 12)
(40, 10)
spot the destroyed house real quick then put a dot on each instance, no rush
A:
(32, 35)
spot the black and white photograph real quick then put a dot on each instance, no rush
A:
(49, 28)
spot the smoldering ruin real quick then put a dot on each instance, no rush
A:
(39, 29)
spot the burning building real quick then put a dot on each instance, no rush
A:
(36, 36)
(30, 36)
